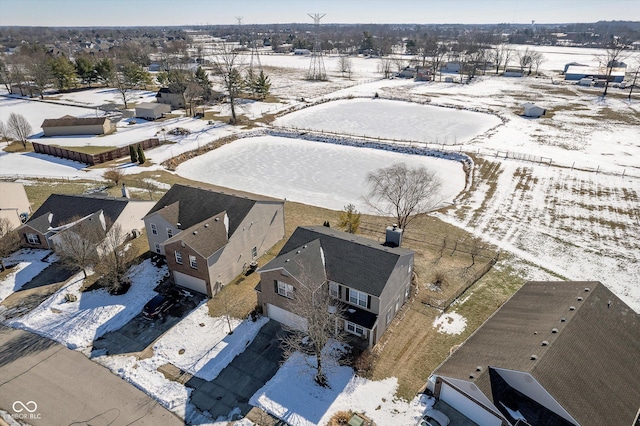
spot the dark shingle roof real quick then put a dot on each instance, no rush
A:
(205, 237)
(65, 207)
(355, 261)
(304, 262)
(73, 121)
(189, 205)
(591, 364)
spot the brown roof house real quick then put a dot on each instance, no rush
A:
(68, 126)
(14, 204)
(556, 353)
(372, 279)
(61, 213)
(209, 237)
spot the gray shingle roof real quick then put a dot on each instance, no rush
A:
(206, 237)
(304, 262)
(194, 205)
(66, 207)
(352, 260)
(591, 364)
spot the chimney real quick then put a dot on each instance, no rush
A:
(125, 191)
(393, 236)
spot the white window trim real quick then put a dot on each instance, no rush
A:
(334, 289)
(358, 295)
(178, 256)
(285, 290)
(389, 315)
(154, 229)
(158, 250)
(169, 232)
(254, 253)
(193, 262)
(33, 239)
(356, 329)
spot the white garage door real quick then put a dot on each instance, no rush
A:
(472, 411)
(192, 283)
(285, 317)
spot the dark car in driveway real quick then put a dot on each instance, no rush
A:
(158, 306)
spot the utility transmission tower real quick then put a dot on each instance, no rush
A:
(316, 69)
(255, 57)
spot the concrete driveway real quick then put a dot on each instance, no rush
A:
(247, 373)
(44, 383)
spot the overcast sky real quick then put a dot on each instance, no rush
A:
(89, 13)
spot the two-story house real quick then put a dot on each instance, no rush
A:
(372, 279)
(209, 237)
(61, 213)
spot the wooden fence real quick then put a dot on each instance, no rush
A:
(92, 159)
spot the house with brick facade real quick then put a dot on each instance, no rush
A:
(210, 235)
(372, 279)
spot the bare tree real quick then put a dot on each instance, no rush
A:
(114, 257)
(77, 245)
(345, 65)
(4, 132)
(323, 317)
(227, 65)
(537, 58)
(349, 219)
(635, 77)
(612, 58)
(113, 174)
(384, 66)
(9, 240)
(19, 128)
(499, 54)
(525, 59)
(403, 192)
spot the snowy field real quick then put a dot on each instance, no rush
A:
(26, 264)
(316, 173)
(387, 119)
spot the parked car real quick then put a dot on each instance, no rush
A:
(434, 417)
(158, 306)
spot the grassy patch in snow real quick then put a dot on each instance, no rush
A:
(16, 146)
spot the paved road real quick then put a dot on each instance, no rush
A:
(67, 387)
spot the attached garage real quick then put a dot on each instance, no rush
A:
(467, 406)
(192, 283)
(285, 317)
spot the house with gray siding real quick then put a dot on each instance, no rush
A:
(62, 213)
(210, 235)
(372, 279)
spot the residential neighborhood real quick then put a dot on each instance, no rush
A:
(329, 218)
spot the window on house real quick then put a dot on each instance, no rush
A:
(358, 298)
(158, 249)
(154, 229)
(33, 239)
(333, 289)
(354, 328)
(406, 291)
(169, 232)
(285, 289)
(254, 252)
(178, 257)
(193, 262)
(389, 315)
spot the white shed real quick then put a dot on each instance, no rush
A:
(532, 110)
(151, 110)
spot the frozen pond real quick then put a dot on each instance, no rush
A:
(392, 120)
(321, 174)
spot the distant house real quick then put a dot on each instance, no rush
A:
(152, 110)
(423, 74)
(510, 72)
(576, 73)
(14, 204)
(452, 67)
(372, 279)
(164, 96)
(25, 89)
(556, 353)
(407, 72)
(209, 237)
(59, 213)
(301, 52)
(532, 110)
(68, 126)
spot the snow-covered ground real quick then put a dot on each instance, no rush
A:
(26, 264)
(311, 404)
(450, 323)
(316, 173)
(77, 324)
(386, 119)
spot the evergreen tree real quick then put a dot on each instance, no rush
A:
(133, 154)
(202, 79)
(141, 157)
(261, 86)
(64, 73)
